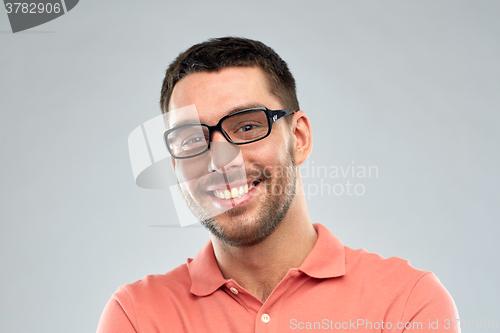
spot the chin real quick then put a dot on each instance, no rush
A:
(237, 229)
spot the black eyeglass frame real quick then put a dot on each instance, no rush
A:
(272, 116)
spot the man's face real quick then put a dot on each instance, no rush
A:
(262, 174)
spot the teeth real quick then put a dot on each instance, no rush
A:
(234, 193)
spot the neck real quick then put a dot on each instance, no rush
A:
(259, 268)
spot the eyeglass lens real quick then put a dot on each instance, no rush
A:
(240, 128)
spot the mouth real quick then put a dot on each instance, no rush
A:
(232, 195)
(235, 192)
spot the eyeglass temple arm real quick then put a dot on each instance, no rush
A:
(277, 114)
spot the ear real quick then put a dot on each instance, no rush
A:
(302, 137)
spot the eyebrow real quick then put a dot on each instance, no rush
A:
(231, 111)
(243, 107)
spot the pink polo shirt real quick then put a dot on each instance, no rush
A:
(335, 288)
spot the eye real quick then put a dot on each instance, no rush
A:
(194, 140)
(246, 128)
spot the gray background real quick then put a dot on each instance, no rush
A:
(411, 87)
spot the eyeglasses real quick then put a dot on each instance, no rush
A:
(238, 128)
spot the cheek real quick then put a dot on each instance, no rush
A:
(271, 153)
(191, 169)
(268, 162)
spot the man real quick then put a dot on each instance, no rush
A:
(267, 268)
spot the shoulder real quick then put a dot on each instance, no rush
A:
(175, 283)
(400, 284)
(363, 264)
(145, 303)
(393, 276)
(150, 298)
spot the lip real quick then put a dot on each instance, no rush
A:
(222, 187)
(230, 203)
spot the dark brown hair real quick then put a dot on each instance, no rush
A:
(218, 53)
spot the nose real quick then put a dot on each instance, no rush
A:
(223, 154)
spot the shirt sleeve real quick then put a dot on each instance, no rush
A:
(118, 315)
(430, 308)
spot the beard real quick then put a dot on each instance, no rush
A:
(243, 229)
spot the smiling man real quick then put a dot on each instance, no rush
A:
(236, 138)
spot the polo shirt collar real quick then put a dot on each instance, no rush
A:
(326, 260)
(205, 274)
(327, 257)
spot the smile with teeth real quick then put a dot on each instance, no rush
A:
(235, 192)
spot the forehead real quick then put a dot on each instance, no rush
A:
(215, 94)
